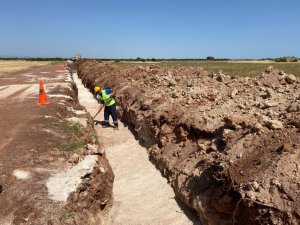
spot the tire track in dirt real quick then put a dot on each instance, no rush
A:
(141, 194)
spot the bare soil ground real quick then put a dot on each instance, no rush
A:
(37, 143)
(228, 145)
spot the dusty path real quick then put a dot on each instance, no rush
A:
(27, 136)
(141, 194)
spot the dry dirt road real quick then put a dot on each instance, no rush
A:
(141, 195)
(28, 137)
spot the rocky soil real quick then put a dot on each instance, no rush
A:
(228, 145)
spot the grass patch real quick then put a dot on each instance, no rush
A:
(71, 145)
(75, 136)
(96, 138)
(72, 128)
(65, 214)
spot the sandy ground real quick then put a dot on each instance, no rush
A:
(141, 194)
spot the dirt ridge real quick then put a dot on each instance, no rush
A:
(228, 145)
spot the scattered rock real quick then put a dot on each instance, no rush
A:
(239, 156)
(275, 182)
(93, 148)
(190, 83)
(258, 127)
(172, 82)
(283, 148)
(255, 186)
(74, 159)
(183, 134)
(290, 79)
(175, 94)
(294, 107)
(22, 175)
(270, 93)
(274, 124)
(201, 147)
(250, 195)
(269, 69)
(146, 105)
(220, 76)
(234, 93)
(213, 147)
(269, 104)
(102, 169)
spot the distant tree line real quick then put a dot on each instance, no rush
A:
(286, 59)
(139, 59)
(208, 58)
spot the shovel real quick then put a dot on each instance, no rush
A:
(96, 115)
(98, 112)
(91, 120)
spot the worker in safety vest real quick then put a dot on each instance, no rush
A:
(105, 98)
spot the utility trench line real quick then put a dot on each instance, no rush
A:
(141, 195)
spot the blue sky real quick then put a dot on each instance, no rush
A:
(160, 29)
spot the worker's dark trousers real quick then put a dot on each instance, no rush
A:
(111, 110)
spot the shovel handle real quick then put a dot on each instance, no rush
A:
(98, 112)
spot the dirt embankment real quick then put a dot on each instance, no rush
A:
(91, 200)
(228, 145)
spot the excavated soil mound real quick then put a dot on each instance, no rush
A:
(228, 145)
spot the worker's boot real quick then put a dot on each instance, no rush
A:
(116, 127)
(105, 124)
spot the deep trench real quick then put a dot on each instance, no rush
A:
(141, 194)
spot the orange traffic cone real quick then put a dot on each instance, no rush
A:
(42, 95)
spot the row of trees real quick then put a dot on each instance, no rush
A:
(287, 59)
(139, 59)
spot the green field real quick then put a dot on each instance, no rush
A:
(241, 68)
